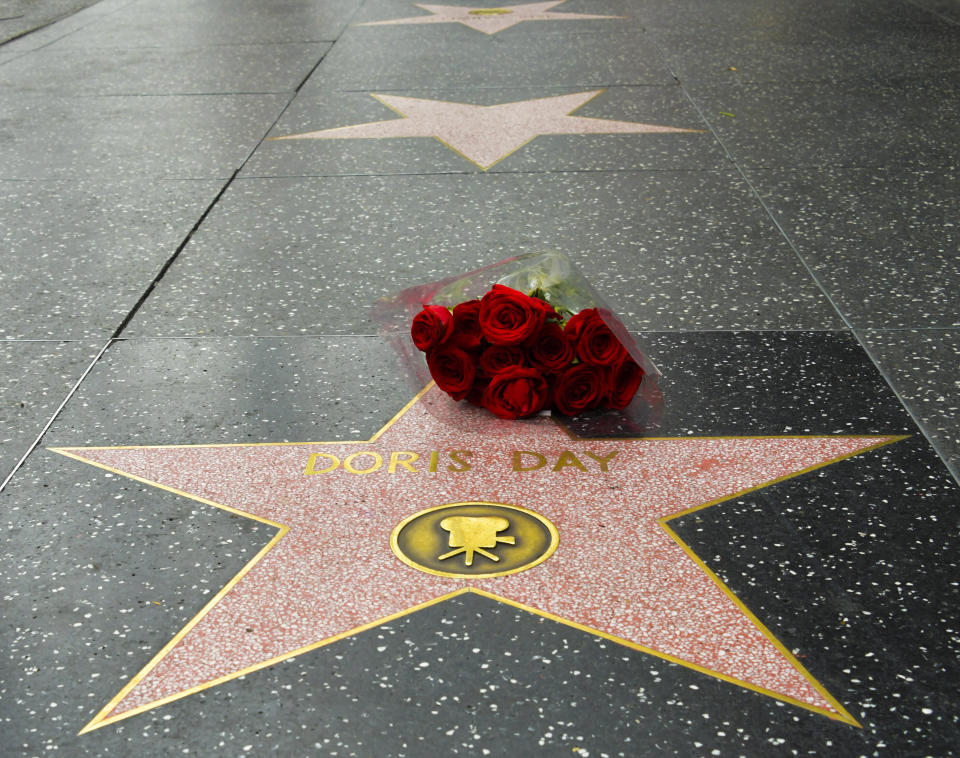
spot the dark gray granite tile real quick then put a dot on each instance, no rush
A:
(924, 366)
(887, 20)
(162, 71)
(795, 382)
(698, 57)
(35, 377)
(771, 20)
(410, 58)
(81, 254)
(46, 21)
(662, 106)
(672, 250)
(200, 391)
(188, 137)
(943, 9)
(848, 123)
(882, 241)
(19, 17)
(197, 23)
(852, 567)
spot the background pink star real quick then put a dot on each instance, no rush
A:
(486, 134)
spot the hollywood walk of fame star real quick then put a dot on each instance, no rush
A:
(486, 134)
(330, 572)
(489, 20)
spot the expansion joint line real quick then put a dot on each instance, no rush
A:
(56, 413)
(849, 326)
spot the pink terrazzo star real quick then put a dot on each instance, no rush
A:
(488, 20)
(619, 571)
(485, 134)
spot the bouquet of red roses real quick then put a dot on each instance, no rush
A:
(522, 336)
(515, 355)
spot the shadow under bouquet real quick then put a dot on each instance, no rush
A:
(523, 336)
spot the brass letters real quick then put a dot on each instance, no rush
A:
(455, 461)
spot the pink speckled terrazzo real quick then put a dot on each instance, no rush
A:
(618, 570)
(486, 134)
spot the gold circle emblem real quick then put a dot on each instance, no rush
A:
(474, 540)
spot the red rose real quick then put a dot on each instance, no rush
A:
(475, 395)
(552, 350)
(508, 317)
(466, 325)
(431, 327)
(579, 388)
(497, 358)
(516, 393)
(623, 382)
(452, 369)
(593, 340)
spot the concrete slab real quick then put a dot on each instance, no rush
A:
(850, 123)
(35, 377)
(672, 250)
(879, 239)
(163, 71)
(198, 23)
(84, 252)
(198, 137)
(431, 58)
(923, 365)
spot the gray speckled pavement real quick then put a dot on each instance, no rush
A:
(185, 304)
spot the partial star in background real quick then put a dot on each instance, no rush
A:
(486, 134)
(488, 20)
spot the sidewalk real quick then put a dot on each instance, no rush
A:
(768, 191)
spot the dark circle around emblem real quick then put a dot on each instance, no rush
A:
(474, 539)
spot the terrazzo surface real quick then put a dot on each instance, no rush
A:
(832, 562)
(216, 22)
(405, 58)
(696, 252)
(906, 234)
(83, 252)
(35, 377)
(18, 17)
(186, 137)
(924, 365)
(866, 122)
(184, 303)
(163, 71)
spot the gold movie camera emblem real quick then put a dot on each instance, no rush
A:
(474, 540)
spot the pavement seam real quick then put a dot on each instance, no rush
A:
(55, 414)
(954, 473)
(51, 22)
(116, 336)
(170, 261)
(203, 217)
(855, 333)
